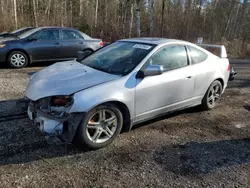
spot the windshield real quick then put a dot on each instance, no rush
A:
(118, 58)
(28, 33)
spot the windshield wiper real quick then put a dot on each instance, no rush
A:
(104, 70)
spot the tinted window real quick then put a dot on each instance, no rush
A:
(196, 55)
(171, 57)
(69, 35)
(47, 35)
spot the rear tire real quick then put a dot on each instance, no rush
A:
(17, 59)
(212, 95)
(98, 130)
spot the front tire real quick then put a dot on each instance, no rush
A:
(100, 127)
(212, 95)
(17, 59)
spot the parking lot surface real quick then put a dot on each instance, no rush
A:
(191, 148)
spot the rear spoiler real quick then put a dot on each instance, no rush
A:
(223, 52)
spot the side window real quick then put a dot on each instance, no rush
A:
(196, 55)
(171, 57)
(47, 35)
(70, 35)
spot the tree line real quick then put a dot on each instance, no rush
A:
(217, 21)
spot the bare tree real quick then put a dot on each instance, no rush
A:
(15, 13)
(162, 16)
(96, 13)
(35, 12)
(131, 20)
(81, 7)
(138, 19)
(151, 27)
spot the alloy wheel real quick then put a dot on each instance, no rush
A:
(101, 126)
(214, 94)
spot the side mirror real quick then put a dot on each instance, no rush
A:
(83, 54)
(153, 70)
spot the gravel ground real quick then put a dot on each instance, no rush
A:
(191, 148)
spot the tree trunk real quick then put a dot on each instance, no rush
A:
(162, 16)
(151, 28)
(71, 13)
(124, 19)
(81, 7)
(231, 30)
(62, 13)
(15, 13)
(47, 11)
(138, 21)
(229, 19)
(96, 13)
(2, 4)
(34, 12)
(131, 20)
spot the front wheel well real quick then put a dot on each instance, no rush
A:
(125, 114)
(20, 50)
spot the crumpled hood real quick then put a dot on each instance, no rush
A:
(64, 78)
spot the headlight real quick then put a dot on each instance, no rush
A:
(63, 101)
(2, 45)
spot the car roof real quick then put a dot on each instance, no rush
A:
(55, 27)
(155, 41)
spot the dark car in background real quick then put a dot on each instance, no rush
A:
(16, 32)
(46, 44)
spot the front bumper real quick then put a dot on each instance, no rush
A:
(63, 127)
(2, 54)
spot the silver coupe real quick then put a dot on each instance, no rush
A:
(90, 101)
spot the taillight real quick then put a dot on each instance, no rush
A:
(61, 101)
(101, 44)
(228, 68)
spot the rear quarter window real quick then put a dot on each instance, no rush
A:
(197, 56)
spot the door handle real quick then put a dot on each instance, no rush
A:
(188, 77)
(81, 42)
(57, 43)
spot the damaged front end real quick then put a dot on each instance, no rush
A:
(51, 115)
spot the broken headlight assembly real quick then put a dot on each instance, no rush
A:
(61, 101)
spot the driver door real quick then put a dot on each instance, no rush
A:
(169, 91)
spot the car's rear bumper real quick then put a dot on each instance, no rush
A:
(232, 74)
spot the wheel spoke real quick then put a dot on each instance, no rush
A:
(108, 132)
(216, 89)
(111, 120)
(216, 96)
(97, 135)
(102, 115)
(91, 126)
(210, 98)
(212, 91)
